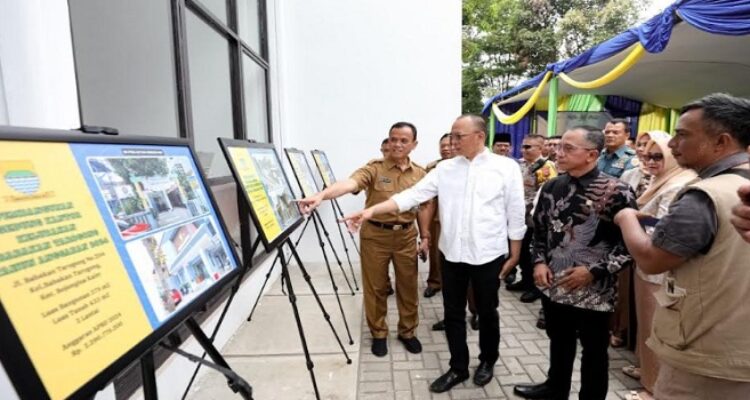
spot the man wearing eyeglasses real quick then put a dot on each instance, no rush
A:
(577, 252)
(617, 157)
(535, 170)
(481, 207)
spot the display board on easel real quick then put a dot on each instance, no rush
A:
(257, 168)
(107, 244)
(324, 167)
(302, 171)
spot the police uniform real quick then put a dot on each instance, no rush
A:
(534, 175)
(614, 164)
(387, 238)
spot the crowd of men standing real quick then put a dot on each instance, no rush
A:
(577, 214)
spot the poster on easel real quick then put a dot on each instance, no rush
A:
(257, 169)
(302, 171)
(324, 167)
(107, 244)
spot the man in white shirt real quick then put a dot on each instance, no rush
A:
(481, 207)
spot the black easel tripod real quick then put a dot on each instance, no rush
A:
(325, 256)
(293, 301)
(247, 262)
(336, 207)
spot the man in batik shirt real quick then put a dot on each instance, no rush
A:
(577, 251)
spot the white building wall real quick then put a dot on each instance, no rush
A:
(349, 70)
(37, 78)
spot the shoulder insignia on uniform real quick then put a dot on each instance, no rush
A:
(375, 161)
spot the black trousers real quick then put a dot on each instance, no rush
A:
(563, 322)
(485, 282)
(525, 261)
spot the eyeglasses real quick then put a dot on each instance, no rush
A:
(653, 157)
(459, 136)
(528, 146)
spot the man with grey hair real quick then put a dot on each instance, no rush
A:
(481, 207)
(577, 252)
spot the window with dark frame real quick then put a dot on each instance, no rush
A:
(234, 31)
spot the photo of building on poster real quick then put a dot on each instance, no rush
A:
(147, 193)
(303, 173)
(321, 160)
(277, 189)
(177, 264)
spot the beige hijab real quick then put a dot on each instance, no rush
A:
(672, 175)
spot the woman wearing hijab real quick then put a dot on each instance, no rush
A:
(638, 178)
(668, 178)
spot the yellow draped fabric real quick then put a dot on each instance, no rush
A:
(653, 118)
(632, 58)
(515, 117)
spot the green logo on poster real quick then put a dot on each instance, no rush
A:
(21, 178)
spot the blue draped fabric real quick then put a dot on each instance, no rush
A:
(623, 107)
(721, 17)
(517, 131)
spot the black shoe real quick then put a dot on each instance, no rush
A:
(379, 347)
(519, 286)
(531, 296)
(429, 292)
(484, 373)
(411, 344)
(541, 322)
(510, 279)
(447, 381)
(439, 326)
(540, 391)
(474, 322)
(391, 291)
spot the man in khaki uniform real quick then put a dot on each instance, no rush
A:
(433, 279)
(390, 238)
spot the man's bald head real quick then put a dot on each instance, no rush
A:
(477, 122)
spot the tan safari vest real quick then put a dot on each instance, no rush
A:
(702, 320)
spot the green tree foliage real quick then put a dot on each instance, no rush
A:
(507, 41)
(128, 168)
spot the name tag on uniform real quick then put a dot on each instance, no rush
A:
(620, 163)
(385, 179)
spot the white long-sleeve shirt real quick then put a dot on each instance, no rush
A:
(481, 205)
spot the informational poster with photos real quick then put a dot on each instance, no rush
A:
(302, 171)
(257, 168)
(324, 167)
(101, 245)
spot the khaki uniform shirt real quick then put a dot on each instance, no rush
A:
(381, 179)
(428, 168)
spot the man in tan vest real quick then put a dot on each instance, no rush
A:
(700, 328)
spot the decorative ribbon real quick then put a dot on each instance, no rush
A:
(610, 76)
(516, 116)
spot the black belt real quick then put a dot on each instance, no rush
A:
(391, 227)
